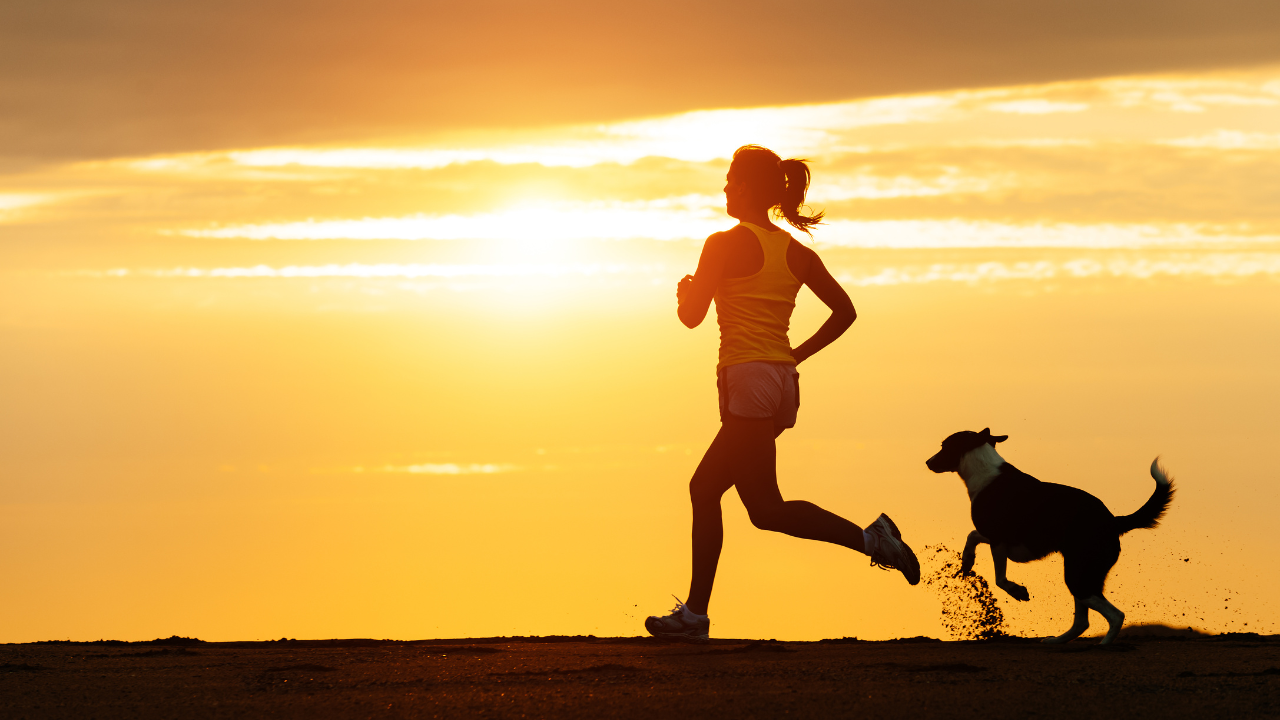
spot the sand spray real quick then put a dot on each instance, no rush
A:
(969, 609)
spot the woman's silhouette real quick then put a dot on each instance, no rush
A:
(753, 272)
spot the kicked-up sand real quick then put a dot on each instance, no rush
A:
(1164, 675)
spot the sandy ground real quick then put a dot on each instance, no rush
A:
(1231, 675)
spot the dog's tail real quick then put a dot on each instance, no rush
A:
(1148, 516)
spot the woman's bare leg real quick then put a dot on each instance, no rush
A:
(756, 477)
(709, 483)
(743, 454)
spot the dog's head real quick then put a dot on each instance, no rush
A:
(957, 445)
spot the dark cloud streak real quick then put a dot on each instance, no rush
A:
(83, 79)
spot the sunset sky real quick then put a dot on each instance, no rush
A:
(358, 320)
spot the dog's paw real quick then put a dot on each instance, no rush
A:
(966, 562)
(1018, 592)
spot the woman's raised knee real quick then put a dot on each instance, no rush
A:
(767, 518)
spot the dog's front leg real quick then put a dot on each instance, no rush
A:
(1000, 556)
(970, 550)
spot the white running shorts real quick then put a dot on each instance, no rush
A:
(757, 390)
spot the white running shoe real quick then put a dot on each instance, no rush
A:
(678, 624)
(890, 552)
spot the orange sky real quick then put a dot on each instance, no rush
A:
(312, 328)
(135, 77)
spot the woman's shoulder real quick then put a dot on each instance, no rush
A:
(800, 258)
(739, 230)
(727, 239)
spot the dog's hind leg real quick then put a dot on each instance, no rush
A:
(1086, 566)
(1115, 618)
(1080, 625)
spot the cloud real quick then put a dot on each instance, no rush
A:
(410, 271)
(1186, 181)
(869, 186)
(617, 221)
(661, 219)
(942, 234)
(1206, 264)
(11, 204)
(696, 136)
(1220, 266)
(1230, 140)
(934, 170)
(450, 469)
(1192, 96)
(1037, 107)
(87, 79)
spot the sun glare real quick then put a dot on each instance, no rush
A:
(936, 159)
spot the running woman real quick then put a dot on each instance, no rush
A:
(753, 272)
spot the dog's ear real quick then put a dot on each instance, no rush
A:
(986, 433)
(998, 439)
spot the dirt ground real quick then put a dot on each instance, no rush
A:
(1226, 675)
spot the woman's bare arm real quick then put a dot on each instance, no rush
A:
(819, 280)
(694, 292)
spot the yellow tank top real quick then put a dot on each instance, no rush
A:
(754, 312)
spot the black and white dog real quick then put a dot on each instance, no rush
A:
(1024, 519)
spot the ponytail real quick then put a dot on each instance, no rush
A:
(796, 177)
(780, 183)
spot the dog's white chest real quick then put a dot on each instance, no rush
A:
(978, 468)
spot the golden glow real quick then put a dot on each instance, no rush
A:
(389, 385)
(659, 219)
(1007, 162)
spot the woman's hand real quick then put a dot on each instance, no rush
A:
(682, 288)
(694, 293)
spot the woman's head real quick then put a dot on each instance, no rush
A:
(760, 180)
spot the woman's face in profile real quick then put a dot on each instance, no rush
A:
(737, 195)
